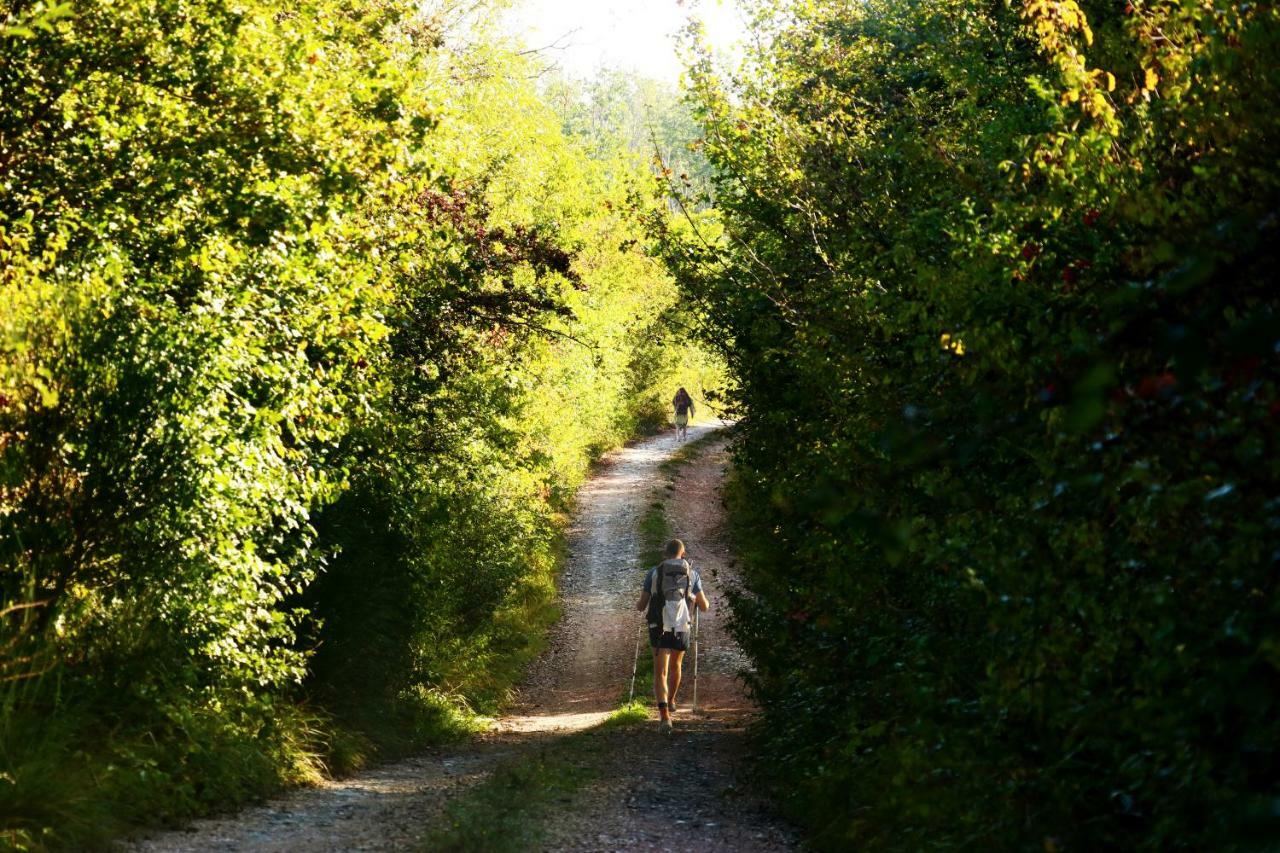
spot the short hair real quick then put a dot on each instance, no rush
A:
(673, 548)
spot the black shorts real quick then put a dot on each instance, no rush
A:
(676, 641)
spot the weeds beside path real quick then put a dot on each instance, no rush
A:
(565, 770)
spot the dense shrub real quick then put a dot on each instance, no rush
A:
(489, 423)
(312, 316)
(183, 292)
(993, 283)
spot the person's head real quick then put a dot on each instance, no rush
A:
(674, 549)
(682, 393)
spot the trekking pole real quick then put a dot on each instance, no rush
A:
(635, 663)
(695, 662)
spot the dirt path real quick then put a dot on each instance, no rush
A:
(589, 660)
(684, 791)
(689, 777)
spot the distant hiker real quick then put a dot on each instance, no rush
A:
(684, 409)
(670, 589)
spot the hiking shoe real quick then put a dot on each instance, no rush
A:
(664, 726)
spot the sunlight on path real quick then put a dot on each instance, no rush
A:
(560, 723)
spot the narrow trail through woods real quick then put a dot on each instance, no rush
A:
(648, 791)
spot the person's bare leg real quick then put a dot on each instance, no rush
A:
(674, 667)
(660, 679)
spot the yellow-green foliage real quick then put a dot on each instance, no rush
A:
(312, 316)
(509, 412)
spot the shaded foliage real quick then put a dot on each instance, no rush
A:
(993, 281)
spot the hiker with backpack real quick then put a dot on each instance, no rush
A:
(684, 410)
(671, 589)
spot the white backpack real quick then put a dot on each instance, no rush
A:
(670, 592)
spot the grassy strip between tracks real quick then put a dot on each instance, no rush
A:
(509, 810)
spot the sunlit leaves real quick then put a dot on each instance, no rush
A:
(41, 17)
(262, 258)
(187, 289)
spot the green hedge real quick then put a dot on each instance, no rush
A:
(993, 283)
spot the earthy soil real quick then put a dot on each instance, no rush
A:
(681, 791)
